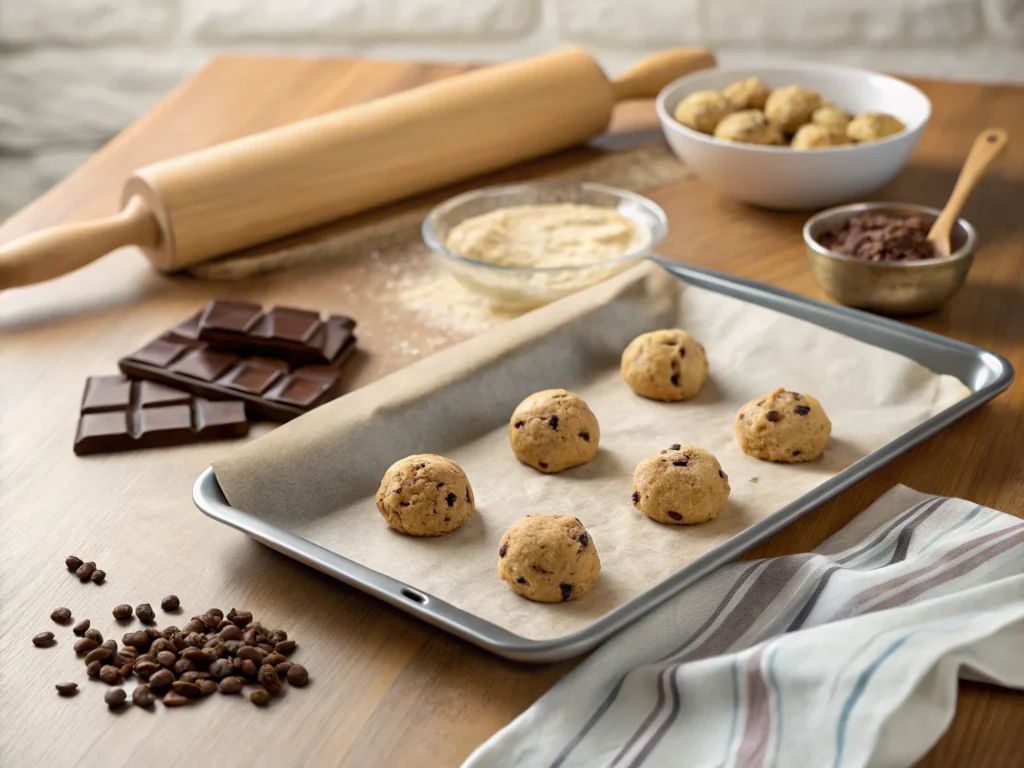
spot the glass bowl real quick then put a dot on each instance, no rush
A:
(524, 287)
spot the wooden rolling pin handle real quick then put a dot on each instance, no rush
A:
(59, 250)
(646, 78)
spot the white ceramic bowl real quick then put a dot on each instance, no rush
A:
(784, 178)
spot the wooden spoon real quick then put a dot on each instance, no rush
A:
(987, 147)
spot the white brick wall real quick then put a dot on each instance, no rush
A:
(74, 72)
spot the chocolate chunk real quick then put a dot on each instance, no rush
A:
(450, 498)
(277, 388)
(584, 539)
(585, 437)
(802, 410)
(521, 580)
(879, 236)
(772, 416)
(553, 422)
(675, 447)
(674, 515)
(679, 463)
(636, 497)
(542, 465)
(796, 453)
(121, 414)
(503, 550)
(519, 424)
(721, 473)
(675, 379)
(682, 351)
(566, 591)
(468, 497)
(67, 689)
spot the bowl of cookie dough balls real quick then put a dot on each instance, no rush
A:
(794, 136)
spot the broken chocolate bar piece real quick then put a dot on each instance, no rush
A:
(297, 335)
(276, 388)
(119, 414)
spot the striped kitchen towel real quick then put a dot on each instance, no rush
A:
(848, 656)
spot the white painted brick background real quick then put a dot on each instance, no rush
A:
(74, 72)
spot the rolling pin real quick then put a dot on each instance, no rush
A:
(251, 190)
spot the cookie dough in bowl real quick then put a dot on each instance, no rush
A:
(548, 558)
(791, 106)
(703, 110)
(554, 430)
(668, 365)
(749, 127)
(783, 426)
(425, 495)
(682, 485)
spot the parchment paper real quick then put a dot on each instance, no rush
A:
(316, 476)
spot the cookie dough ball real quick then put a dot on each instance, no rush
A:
(813, 136)
(873, 126)
(425, 495)
(554, 430)
(702, 110)
(683, 485)
(548, 558)
(791, 106)
(747, 94)
(749, 127)
(783, 426)
(665, 365)
(831, 117)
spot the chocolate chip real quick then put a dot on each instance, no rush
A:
(584, 539)
(85, 645)
(230, 685)
(520, 424)
(259, 697)
(636, 497)
(143, 696)
(674, 515)
(447, 518)
(682, 351)
(85, 571)
(585, 437)
(269, 679)
(521, 580)
(542, 465)
(98, 576)
(675, 447)
(67, 689)
(145, 613)
(122, 612)
(566, 591)
(81, 628)
(440, 485)
(98, 654)
(115, 697)
(553, 422)
(503, 550)
(721, 473)
(110, 674)
(802, 410)
(297, 675)
(72, 562)
(679, 463)
(170, 603)
(796, 395)
(772, 416)
(43, 640)
(796, 453)
(94, 634)
(450, 498)
(675, 379)
(161, 679)
(173, 699)
(468, 498)
(61, 615)
(93, 669)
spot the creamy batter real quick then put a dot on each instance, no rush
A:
(554, 235)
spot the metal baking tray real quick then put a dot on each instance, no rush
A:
(985, 373)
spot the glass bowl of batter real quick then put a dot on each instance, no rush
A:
(524, 245)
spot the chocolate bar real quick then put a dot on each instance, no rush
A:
(271, 387)
(119, 414)
(298, 335)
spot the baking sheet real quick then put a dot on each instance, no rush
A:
(316, 476)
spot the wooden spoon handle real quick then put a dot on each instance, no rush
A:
(987, 147)
(646, 78)
(59, 250)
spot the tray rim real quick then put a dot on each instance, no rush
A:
(209, 497)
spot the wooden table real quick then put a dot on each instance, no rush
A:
(387, 689)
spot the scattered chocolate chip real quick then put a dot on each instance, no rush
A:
(110, 645)
(85, 645)
(230, 685)
(81, 628)
(61, 615)
(186, 688)
(585, 437)
(239, 618)
(566, 591)
(98, 576)
(674, 515)
(679, 463)
(636, 497)
(215, 612)
(553, 422)
(85, 570)
(675, 379)
(503, 550)
(675, 447)
(584, 539)
(520, 424)
(115, 697)
(206, 687)
(161, 679)
(137, 639)
(802, 410)
(98, 654)
(521, 580)
(542, 465)
(43, 640)
(93, 668)
(67, 689)
(145, 613)
(450, 498)
(122, 612)
(796, 453)
(468, 498)
(73, 563)
(297, 675)
(772, 415)
(110, 674)
(259, 697)
(174, 699)
(143, 696)
(94, 634)
(682, 351)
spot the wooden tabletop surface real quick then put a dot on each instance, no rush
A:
(386, 689)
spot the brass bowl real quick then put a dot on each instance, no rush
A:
(888, 287)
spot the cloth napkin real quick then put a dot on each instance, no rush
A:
(847, 656)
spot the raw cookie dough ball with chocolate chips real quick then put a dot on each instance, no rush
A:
(831, 117)
(682, 485)
(548, 558)
(783, 426)
(665, 365)
(813, 136)
(791, 106)
(749, 127)
(873, 126)
(425, 495)
(702, 110)
(553, 430)
(747, 94)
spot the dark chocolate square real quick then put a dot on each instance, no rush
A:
(204, 364)
(152, 394)
(238, 316)
(102, 424)
(250, 377)
(106, 393)
(300, 391)
(210, 413)
(288, 324)
(159, 352)
(164, 418)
